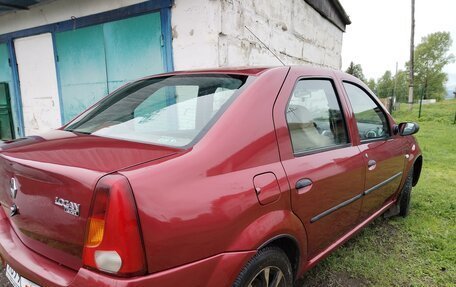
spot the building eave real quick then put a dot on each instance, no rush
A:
(333, 11)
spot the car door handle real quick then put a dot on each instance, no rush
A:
(371, 164)
(303, 182)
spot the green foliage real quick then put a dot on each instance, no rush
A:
(431, 56)
(385, 85)
(388, 85)
(402, 85)
(372, 85)
(418, 250)
(356, 70)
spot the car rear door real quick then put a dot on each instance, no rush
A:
(325, 170)
(383, 153)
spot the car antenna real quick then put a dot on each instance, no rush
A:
(265, 45)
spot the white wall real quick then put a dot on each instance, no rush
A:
(195, 27)
(211, 33)
(39, 90)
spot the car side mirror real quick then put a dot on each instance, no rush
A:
(408, 128)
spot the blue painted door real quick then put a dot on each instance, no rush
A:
(96, 60)
(6, 77)
(82, 69)
(133, 49)
(6, 120)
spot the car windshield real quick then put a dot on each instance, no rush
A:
(171, 110)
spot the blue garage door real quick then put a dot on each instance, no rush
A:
(6, 78)
(96, 60)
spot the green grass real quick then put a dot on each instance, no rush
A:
(419, 250)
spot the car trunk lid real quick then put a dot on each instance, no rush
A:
(49, 181)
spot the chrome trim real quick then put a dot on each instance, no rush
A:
(13, 188)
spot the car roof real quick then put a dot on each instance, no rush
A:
(248, 71)
(258, 70)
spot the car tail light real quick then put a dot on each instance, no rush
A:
(113, 241)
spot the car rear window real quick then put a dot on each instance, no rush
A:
(171, 111)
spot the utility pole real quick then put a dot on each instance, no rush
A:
(394, 91)
(412, 52)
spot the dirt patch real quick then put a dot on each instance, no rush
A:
(3, 280)
(336, 279)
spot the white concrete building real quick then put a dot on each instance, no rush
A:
(57, 57)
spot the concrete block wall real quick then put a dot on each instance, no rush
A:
(195, 27)
(212, 33)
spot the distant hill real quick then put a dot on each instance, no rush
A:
(450, 86)
(450, 91)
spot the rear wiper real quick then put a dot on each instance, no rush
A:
(77, 132)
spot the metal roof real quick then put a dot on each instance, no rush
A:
(13, 5)
(331, 10)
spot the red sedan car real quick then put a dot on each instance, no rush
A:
(242, 177)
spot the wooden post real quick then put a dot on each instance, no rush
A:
(394, 91)
(421, 101)
(412, 52)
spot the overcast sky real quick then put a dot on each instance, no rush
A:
(379, 35)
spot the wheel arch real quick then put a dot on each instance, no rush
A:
(288, 244)
(281, 228)
(417, 166)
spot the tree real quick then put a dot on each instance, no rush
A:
(402, 86)
(431, 56)
(356, 70)
(385, 85)
(372, 85)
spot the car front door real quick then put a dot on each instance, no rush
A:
(384, 154)
(325, 171)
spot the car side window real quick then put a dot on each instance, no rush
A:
(370, 117)
(314, 116)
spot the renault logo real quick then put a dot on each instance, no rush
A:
(14, 210)
(13, 187)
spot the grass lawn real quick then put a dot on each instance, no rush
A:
(419, 250)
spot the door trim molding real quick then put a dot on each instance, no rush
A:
(334, 208)
(377, 186)
(355, 198)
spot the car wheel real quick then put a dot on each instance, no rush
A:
(406, 194)
(270, 267)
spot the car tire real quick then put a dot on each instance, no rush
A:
(406, 194)
(269, 264)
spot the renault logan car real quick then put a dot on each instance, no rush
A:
(235, 177)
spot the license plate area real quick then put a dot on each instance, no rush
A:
(17, 280)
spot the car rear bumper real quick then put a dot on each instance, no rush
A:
(219, 270)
